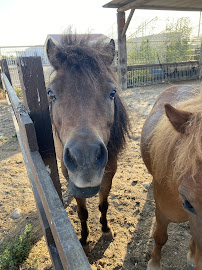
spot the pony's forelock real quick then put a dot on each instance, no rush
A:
(79, 54)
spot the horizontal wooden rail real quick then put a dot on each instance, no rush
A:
(130, 68)
(60, 235)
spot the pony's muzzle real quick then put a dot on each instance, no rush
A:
(85, 163)
(85, 156)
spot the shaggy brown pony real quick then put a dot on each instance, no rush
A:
(171, 146)
(89, 119)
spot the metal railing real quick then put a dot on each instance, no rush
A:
(137, 75)
(141, 75)
(12, 53)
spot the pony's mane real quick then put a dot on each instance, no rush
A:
(174, 154)
(120, 128)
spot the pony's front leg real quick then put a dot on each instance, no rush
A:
(103, 198)
(191, 255)
(160, 238)
(83, 216)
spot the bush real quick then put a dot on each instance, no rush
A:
(15, 252)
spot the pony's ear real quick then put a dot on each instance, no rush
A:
(110, 50)
(178, 118)
(53, 53)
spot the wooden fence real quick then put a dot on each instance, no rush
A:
(34, 132)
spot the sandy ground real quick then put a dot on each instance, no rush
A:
(131, 210)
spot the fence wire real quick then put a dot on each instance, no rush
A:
(148, 65)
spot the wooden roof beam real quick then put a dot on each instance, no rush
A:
(127, 22)
(140, 5)
(132, 5)
(171, 8)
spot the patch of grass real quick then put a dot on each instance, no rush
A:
(31, 264)
(15, 252)
(18, 92)
(3, 138)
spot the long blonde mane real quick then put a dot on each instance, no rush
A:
(174, 154)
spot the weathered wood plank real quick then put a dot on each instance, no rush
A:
(128, 22)
(71, 253)
(1, 85)
(200, 64)
(22, 116)
(133, 4)
(55, 258)
(122, 53)
(68, 245)
(186, 5)
(4, 67)
(170, 8)
(35, 99)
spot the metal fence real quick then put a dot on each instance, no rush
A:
(150, 69)
(146, 51)
(141, 75)
(11, 53)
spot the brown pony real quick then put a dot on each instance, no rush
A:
(171, 146)
(89, 119)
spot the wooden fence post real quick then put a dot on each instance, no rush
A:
(200, 64)
(1, 84)
(35, 99)
(4, 68)
(122, 52)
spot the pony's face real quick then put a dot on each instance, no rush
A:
(82, 107)
(190, 190)
(190, 186)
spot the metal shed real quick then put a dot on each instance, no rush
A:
(122, 23)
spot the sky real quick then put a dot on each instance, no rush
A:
(28, 22)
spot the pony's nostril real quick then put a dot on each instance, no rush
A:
(69, 160)
(101, 157)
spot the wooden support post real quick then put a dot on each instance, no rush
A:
(122, 52)
(35, 99)
(200, 64)
(128, 21)
(1, 84)
(4, 68)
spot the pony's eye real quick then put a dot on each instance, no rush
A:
(187, 206)
(51, 94)
(112, 94)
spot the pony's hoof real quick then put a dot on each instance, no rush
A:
(152, 266)
(108, 235)
(86, 247)
(190, 261)
(190, 266)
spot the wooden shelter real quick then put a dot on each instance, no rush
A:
(124, 5)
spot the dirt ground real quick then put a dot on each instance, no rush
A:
(131, 210)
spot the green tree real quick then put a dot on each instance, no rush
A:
(178, 46)
(141, 53)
